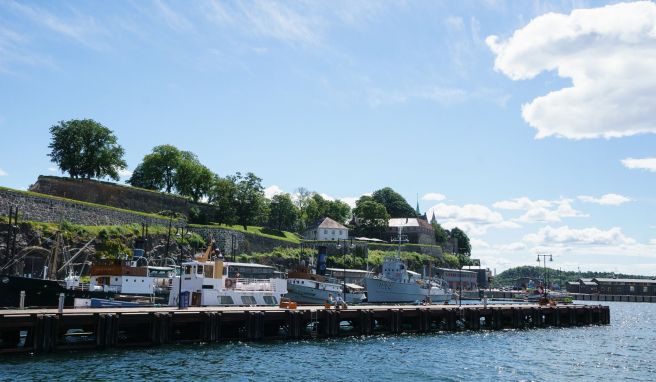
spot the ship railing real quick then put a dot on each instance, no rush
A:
(254, 285)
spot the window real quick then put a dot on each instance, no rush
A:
(209, 271)
(270, 300)
(644, 289)
(199, 270)
(248, 300)
(226, 300)
(325, 232)
(187, 269)
(631, 288)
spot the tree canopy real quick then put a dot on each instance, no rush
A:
(86, 149)
(250, 202)
(395, 204)
(283, 214)
(223, 194)
(173, 170)
(463, 246)
(372, 218)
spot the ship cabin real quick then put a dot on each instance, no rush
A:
(121, 276)
(223, 283)
(394, 269)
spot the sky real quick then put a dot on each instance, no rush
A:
(528, 124)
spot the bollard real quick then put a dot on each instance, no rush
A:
(485, 301)
(61, 303)
(22, 299)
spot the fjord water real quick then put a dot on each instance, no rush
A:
(620, 351)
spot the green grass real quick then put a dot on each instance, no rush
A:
(289, 237)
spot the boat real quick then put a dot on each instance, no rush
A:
(398, 284)
(305, 287)
(219, 283)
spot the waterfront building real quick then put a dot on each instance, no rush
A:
(326, 229)
(639, 287)
(582, 286)
(457, 279)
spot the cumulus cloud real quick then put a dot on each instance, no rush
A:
(3, 172)
(512, 247)
(606, 200)
(475, 219)
(608, 53)
(571, 236)
(272, 191)
(433, 196)
(648, 164)
(540, 210)
(124, 173)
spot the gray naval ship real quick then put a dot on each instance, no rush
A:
(396, 283)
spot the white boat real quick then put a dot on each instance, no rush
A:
(219, 283)
(398, 284)
(309, 288)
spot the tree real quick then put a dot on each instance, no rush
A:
(283, 214)
(372, 218)
(192, 179)
(394, 203)
(441, 235)
(250, 200)
(338, 211)
(86, 149)
(223, 194)
(463, 244)
(158, 169)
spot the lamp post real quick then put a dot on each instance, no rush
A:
(545, 275)
(181, 234)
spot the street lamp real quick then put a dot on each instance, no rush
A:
(545, 275)
(181, 234)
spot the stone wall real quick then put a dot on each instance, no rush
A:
(53, 210)
(116, 195)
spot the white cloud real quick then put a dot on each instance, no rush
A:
(606, 200)
(609, 53)
(565, 236)
(433, 196)
(3, 172)
(327, 197)
(478, 244)
(648, 164)
(124, 173)
(512, 247)
(350, 200)
(272, 191)
(540, 210)
(474, 219)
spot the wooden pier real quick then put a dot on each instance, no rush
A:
(48, 330)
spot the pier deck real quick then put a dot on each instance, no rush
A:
(48, 330)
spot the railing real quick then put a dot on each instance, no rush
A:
(252, 284)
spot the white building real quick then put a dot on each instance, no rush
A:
(326, 229)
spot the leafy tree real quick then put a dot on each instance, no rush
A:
(338, 210)
(86, 149)
(372, 218)
(223, 194)
(283, 214)
(463, 244)
(158, 169)
(250, 201)
(395, 204)
(192, 179)
(441, 235)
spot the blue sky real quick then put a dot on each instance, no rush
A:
(537, 140)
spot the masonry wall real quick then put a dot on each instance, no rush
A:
(119, 196)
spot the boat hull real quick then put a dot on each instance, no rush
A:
(382, 291)
(306, 295)
(41, 293)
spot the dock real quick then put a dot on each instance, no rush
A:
(38, 331)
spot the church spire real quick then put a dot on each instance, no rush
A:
(418, 213)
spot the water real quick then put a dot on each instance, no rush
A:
(621, 351)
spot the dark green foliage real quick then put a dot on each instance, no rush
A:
(316, 207)
(395, 204)
(170, 169)
(223, 194)
(251, 205)
(283, 214)
(372, 218)
(509, 276)
(441, 235)
(86, 149)
(464, 247)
